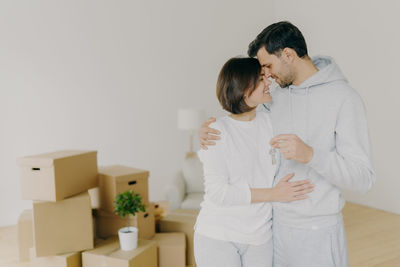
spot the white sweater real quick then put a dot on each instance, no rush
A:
(238, 162)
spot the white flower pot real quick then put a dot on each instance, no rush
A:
(128, 238)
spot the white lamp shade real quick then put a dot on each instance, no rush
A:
(189, 119)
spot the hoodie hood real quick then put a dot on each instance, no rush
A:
(328, 72)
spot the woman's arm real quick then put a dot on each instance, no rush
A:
(221, 191)
(284, 191)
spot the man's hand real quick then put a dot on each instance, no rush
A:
(206, 134)
(292, 147)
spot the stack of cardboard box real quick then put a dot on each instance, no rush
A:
(71, 228)
(61, 221)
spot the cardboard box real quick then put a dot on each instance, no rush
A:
(63, 260)
(171, 249)
(117, 179)
(161, 209)
(25, 235)
(62, 227)
(181, 221)
(108, 254)
(58, 175)
(108, 224)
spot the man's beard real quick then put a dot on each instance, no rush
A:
(285, 84)
(286, 76)
(286, 79)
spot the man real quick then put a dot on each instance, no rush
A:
(322, 135)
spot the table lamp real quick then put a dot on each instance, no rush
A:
(190, 120)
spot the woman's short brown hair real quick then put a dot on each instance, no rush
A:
(237, 77)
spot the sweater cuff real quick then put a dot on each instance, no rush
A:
(317, 160)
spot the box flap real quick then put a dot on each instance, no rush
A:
(186, 211)
(183, 218)
(103, 213)
(128, 255)
(32, 254)
(120, 170)
(111, 248)
(47, 159)
(35, 162)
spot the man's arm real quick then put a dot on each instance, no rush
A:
(349, 165)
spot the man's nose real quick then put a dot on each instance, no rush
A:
(267, 74)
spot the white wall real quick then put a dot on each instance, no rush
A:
(363, 37)
(110, 76)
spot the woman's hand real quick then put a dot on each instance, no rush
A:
(286, 191)
(206, 134)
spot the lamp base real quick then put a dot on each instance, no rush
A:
(190, 155)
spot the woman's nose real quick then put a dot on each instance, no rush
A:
(267, 81)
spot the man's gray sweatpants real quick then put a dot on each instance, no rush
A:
(324, 247)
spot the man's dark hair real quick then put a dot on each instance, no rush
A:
(278, 36)
(238, 76)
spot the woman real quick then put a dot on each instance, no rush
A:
(234, 224)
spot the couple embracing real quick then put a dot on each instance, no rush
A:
(274, 166)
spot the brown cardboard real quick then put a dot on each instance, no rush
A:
(62, 227)
(25, 235)
(73, 259)
(181, 221)
(108, 254)
(108, 224)
(58, 175)
(171, 249)
(161, 209)
(187, 212)
(117, 179)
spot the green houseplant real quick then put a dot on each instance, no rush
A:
(127, 204)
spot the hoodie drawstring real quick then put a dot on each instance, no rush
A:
(291, 111)
(306, 137)
(306, 133)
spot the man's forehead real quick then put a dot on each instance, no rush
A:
(264, 57)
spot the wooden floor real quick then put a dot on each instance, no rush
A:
(373, 236)
(373, 239)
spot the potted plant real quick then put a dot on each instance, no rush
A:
(128, 204)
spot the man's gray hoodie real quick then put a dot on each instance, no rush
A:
(327, 114)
